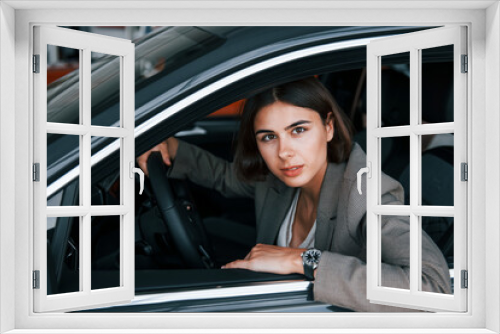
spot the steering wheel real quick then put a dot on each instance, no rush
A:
(182, 222)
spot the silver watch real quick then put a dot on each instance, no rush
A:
(310, 261)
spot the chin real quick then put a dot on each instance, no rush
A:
(296, 182)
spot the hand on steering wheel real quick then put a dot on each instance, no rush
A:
(185, 227)
(168, 150)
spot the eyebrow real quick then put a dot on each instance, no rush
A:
(286, 128)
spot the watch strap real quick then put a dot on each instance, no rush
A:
(309, 272)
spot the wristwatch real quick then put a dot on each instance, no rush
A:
(310, 260)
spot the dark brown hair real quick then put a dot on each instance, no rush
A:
(306, 93)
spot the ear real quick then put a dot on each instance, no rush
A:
(330, 128)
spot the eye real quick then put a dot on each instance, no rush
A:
(299, 129)
(268, 137)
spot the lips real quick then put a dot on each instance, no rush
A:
(292, 170)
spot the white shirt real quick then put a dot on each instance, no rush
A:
(285, 233)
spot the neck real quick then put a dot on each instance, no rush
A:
(310, 193)
(309, 197)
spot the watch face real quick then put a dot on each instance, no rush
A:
(312, 256)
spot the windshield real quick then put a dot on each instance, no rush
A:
(156, 54)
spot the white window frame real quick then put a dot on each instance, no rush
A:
(86, 43)
(483, 293)
(413, 43)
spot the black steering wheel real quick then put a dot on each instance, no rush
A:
(182, 221)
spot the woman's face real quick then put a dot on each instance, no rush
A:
(293, 143)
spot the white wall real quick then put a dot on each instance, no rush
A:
(7, 159)
(492, 154)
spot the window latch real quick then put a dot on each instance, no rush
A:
(141, 175)
(368, 171)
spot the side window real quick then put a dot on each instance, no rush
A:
(434, 131)
(60, 136)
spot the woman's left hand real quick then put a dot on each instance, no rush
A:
(271, 259)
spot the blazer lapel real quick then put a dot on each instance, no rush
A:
(327, 206)
(278, 201)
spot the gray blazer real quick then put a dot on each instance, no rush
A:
(340, 230)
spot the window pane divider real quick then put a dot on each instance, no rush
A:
(434, 211)
(85, 173)
(75, 129)
(102, 131)
(393, 131)
(80, 211)
(432, 129)
(419, 210)
(67, 211)
(86, 253)
(109, 210)
(66, 129)
(415, 171)
(392, 210)
(407, 130)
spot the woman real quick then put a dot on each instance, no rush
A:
(295, 157)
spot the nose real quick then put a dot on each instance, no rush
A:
(286, 148)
